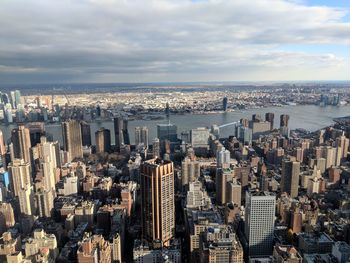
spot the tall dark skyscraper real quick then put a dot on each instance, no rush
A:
(103, 140)
(270, 117)
(157, 200)
(224, 104)
(20, 138)
(118, 132)
(72, 141)
(284, 119)
(290, 177)
(126, 132)
(85, 133)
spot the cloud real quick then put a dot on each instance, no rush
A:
(179, 40)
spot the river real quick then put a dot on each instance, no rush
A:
(309, 117)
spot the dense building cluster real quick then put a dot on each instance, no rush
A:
(265, 194)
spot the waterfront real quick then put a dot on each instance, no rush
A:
(309, 117)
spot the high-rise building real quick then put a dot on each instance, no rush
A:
(85, 133)
(94, 249)
(284, 119)
(290, 177)
(20, 138)
(190, 171)
(156, 148)
(118, 132)
(103, 140)
(224, 103)
(167, 132)
(20, 175)
(223, 176)
(270, 117)
(72, 141)
(2, 144)
(126, 132)
(259, 222)
(157, 200)
(44, 202)
(26, 201)
(141, 136)
(7, 217)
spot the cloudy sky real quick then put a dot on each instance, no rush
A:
(50, 41)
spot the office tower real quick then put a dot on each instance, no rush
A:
(200, 138)
(223, 158)
(126, 132)
(259, 127)
(244, 134)
(17, 98)
(116, 248)
(13, 99)
(270, 117)
(72, 142)
(290, 177)
(47, 157)
(328, 153)
(20, 175)
(26, 201)
(118, 132)
(20, 138)
(224, 103)
(284, 119)
(141, 136)
(85, 133)
(155, 148)
(103, 140)
(167, 132)
(190, 171)
(44, 202)
(2, 144)
(7, 217)
(157, 200)
(259, 222)
(222, 177)
(233, 192)
(342, 144)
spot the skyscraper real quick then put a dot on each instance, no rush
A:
(284, 119)
(141, 136)
(167, 132)
(157, 200)
(290, 177)
(259, 222)
(20, 175)
(190, 171)
(72, 141)
(155, 148)
(103, 140)
(270, 117)
(85, 133)
(118, 133)
(126, 132)
(20, 138)
(224, 103)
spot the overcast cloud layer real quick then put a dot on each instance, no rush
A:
(164, 40)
